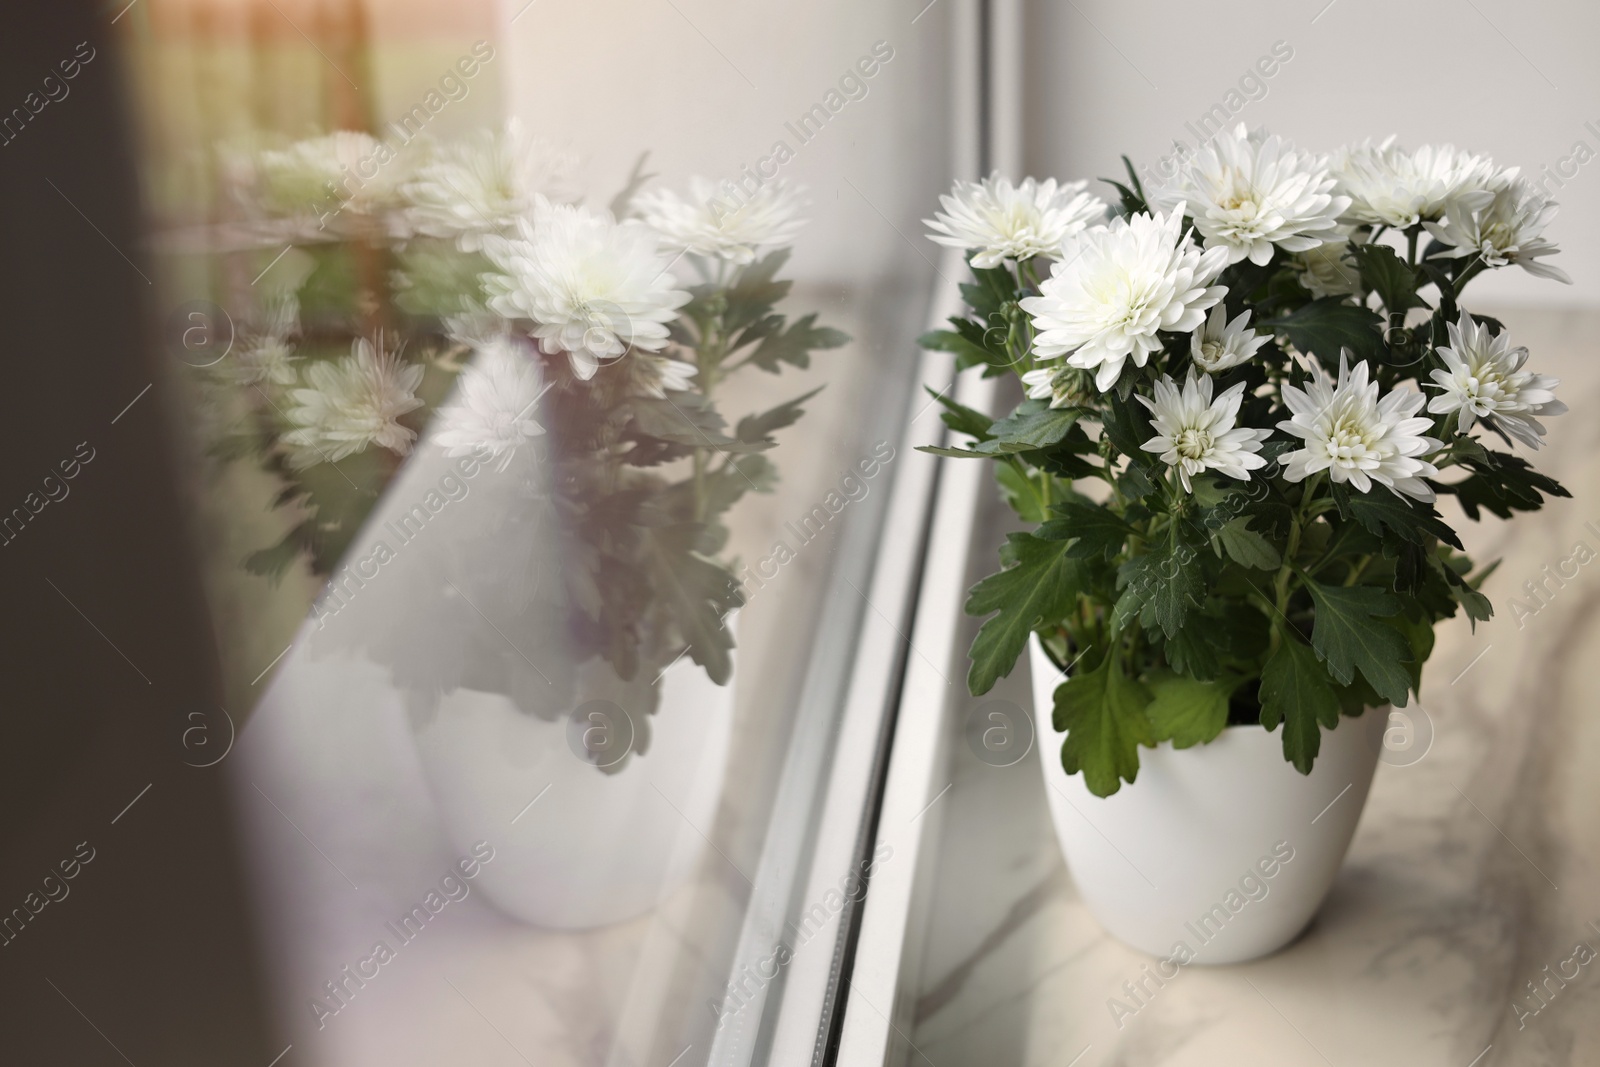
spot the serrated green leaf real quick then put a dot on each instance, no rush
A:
(955, 453)
(697, 592)
(1167, 582)
(795, 344)
(1248, 548)
(1186, 711)
(1501, 484)
(1024, 431)
(755, 291)
(1095, 531)
(1381, 510)
(1325, 326)
(755, 429)
(962, 419)
(1296, 691)
(968, 353)
(1384, 272)
(1349, 635)
(1103, 714)
(1127, 425)
(1020, 492)
(1040, 586)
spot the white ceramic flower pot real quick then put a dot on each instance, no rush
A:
(594, 848)
(1224, 848)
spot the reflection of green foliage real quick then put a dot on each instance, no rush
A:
(330, 290)
(639, 484)
(433, 279)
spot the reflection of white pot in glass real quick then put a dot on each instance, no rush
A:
(575, 846)
(1224, 848)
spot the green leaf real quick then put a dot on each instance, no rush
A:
(1502, 483)
(755, 291)
(1325, 326)
(1248, 548)
(991, 289)
(795, 345)
(962, 419)
(1295, 691)
(1024, 431)
(1103, 714)
(1165, 584)
(1186, 711)
(1384, 272)
(1020, 492)
(1094, 530)
(696, 592)
(1349, 635)
(1128, 426)
(1381, 509)
(686, 418)
(956, 453)
(1040, 587)
(968, 353)
(760, 428)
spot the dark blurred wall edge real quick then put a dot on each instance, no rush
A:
(145, 954)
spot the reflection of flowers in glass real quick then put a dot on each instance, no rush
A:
(1251, 193)
(352, 403)
(1356, 437)
(658, 375)
(1503, 232)
(494, 403)
(709, 224)
(1000, 221)
(1390, 186)
(1483, 379)
(1119, 285)
(484, 184)
(593, 287)
(344, 170)
(1223, 344)
(1195, 433)
(270, 356)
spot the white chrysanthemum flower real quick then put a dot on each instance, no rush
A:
(1502, 232)
(484, 184)
(1053, 383)
(493, 406)
(1356, 437)
(1250, 192)
(592, 286)
(715, 224)
(1222, 344)
(655, 376)
(266, 359)
(1117, 286)
(353, 403)
(1483, 379)
(269, 356)
(345, 170)
(1389, 186)
(1328, 269)
(1195, 433)
(1000, 221)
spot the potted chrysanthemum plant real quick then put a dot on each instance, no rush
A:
(580, 600)
(1245, 392)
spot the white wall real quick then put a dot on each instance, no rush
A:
(708, 85)
(1112, 76)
